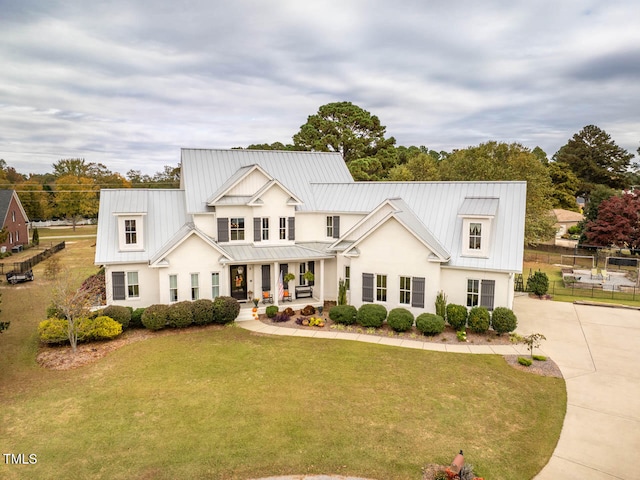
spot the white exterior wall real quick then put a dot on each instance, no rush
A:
(454, 285)
(147, 281)
(312, 226)
(249, 184)
(393, 251)
(206, 222)
(274, 207)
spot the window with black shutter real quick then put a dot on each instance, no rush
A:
(311, 266)
(292, 227)
(257, 224)
(266, 278)
(223, 229)
(336, 227)
(118, 285)
(487, 293)
(417, 292)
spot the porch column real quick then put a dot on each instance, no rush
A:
(322, 281)
(276, 277)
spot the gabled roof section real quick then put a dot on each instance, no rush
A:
(256, 199)
(5, 203)
(405, 216)
(206, 174)
(478, 207)
(186, 231)
(227, 187)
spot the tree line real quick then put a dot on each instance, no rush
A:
(589, 165)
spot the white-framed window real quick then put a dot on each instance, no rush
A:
(473, 292)
(130, 232)
(133, 287)
(283, 228)
(215, 285)
(302, 270)
(10, 237)
(405, 290)
(13, 216)
(195, 286)
(17, 235)
(330, 227)
(381, 288)
(475, 236)
(265, 228)
(173, 288)
(347, 277)
(236, 228)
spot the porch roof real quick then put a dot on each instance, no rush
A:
(280, 253)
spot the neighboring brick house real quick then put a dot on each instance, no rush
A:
(14, 220)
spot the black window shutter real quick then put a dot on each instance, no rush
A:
(284, 269)
(117, 283)
(417, 292)
(266, 278)
(311, 266)
(367, 287)
(292, 227)
(336, 227)
(257, 224)
(223, 229)
(487, 293)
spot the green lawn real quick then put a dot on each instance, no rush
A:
(229, 404)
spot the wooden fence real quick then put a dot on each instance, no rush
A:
(25, 266)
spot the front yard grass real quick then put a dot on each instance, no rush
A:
(229, 404)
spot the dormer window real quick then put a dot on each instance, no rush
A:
(130, 234)
(477, 215)
(475, 236)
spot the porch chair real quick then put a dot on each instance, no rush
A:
(286, 296)
(605, 274)
(267, 297)
(594, 273)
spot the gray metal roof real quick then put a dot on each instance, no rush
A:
(165, 215)
(249, 253)
(483, 207)
(208, 171)
(436, 205)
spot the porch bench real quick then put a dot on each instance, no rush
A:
(303, 291)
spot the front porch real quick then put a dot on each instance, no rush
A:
(246, 308)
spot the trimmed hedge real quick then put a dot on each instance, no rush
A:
(479, 319)
(371, 315)
(271, 311)
(457, 316)
(180, 315)
(225, 310)
(430, 324)
(343, 314)
(400, 319)
(202, 311)
(136, 318)
(155, 317)
(53, 330)
(503, 320)
(56, 330)
(120, 314)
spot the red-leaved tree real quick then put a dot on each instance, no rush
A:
(618, 222)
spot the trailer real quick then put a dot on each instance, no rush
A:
(16, 277)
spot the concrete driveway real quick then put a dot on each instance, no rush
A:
(597, 350)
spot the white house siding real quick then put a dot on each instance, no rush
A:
(147, 281)
(393, 251)
(206, 222)
(454, 285)
(312, 226)
(274, 207)
(192, 256)
(249, 184)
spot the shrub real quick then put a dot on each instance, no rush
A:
(456, 316)
(441, 304)
(281, 317)
(54, 312)
(99, 328)
(271, 311)
(430, 324)
(155, 317)
(479, 319)
(53, 330)
(202, 311)
(524, 361)
(400, 319)
(180, 315)
(225, 310)
(503, 320)
(122, 315)
(539, 358)
(308, 310)
(371, 315)
(343, 314)
(538, 284)
(136, 318)
(289, 311)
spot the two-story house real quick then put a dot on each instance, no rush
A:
(242, 219)
(15, 223)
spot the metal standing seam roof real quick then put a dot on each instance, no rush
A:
(482, 207)
(250, 253)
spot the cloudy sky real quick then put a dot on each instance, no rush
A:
(128, 82)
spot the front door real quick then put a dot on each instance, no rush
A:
(239, 282)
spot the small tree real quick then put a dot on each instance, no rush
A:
(532, 341)
(441, 304)
(52, 267)
(35, 237)
(74, 303)
(342, 292)
(538, 284)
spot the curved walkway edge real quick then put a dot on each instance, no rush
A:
(595, 348)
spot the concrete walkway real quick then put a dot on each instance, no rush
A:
(595, 348)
